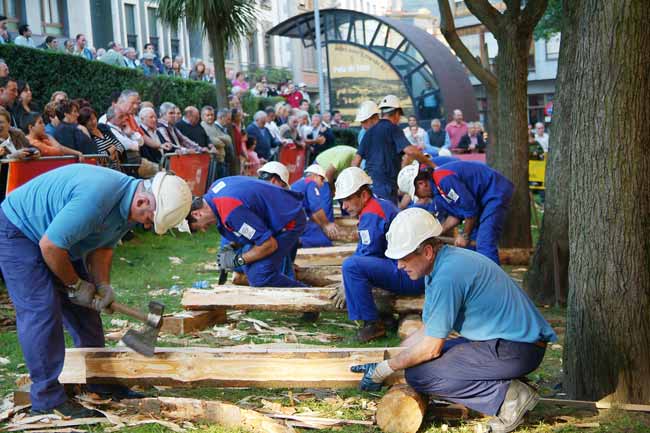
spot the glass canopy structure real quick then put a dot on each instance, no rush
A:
(369, 57)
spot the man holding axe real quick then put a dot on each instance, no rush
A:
(57, 235)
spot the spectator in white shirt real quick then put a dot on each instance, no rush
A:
(25, 37)
(541, 136)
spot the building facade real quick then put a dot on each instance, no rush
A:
(542, 62)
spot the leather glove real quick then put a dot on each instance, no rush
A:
(338, 298)
(82, 293)
(105, 298)
(227, 259)
(373, 375)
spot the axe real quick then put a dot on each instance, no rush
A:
(142, 342)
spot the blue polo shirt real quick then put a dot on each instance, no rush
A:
(312, 201)
(469, 293)
(381, 147)
(374, 221)
(80, 207)
(250, 211)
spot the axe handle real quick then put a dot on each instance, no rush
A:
(131, 312)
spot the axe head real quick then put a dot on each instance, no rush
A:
(144, 342)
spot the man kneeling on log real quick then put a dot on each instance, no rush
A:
(503, 335)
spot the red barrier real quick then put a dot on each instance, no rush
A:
(193, 168)
(22, 171)
(294, 159)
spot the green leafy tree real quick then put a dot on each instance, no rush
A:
(551, 22)
(224, 22)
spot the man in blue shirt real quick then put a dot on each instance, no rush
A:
(466, 191)
(320, 227)
(265, 219)
(369, 267)
(265, 141)
(382, 148)
(503, 335)
(57, 235)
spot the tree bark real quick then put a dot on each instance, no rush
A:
(219, 59)
(608, 332)
(539, 280)
(510, 155)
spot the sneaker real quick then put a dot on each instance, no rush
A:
(371, 330)
(520, 399)
(310, 316)
(69, 409)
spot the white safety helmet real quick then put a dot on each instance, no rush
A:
(408, 230)
(349, 182)
(366, 110)
(390, 102)
(316, 169)
(277, 168)
(444, 152)
(173, 201)
(406, 179)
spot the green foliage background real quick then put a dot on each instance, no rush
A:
(47, 72)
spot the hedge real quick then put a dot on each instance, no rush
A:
(251, 104)
(47, 71)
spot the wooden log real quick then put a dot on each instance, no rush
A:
(289, 299)
(324, 256)
(401, 410)
(314, 276)
(187, 322)
(212, 412)
(408, 325)
(507, 256)
(450, 411)
(223, 367)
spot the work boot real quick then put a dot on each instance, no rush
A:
(69, 409)
(390, 323)
(371, 329)
(520, 398)
(310, 316)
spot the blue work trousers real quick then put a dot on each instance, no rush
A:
(363, 273)
(475, 374)
(314, 236)
(42, 309)
(268, 272)
(490, 228)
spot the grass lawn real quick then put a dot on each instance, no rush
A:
(147, 268)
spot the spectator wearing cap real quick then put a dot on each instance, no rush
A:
(24, 38)
(147, 65)
(151, 48)
(302, 87)
(114, 55)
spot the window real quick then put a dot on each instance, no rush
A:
(252, 49)
(230, 53)
(268, 50)
(152, 22)
(531, 57)
(175, 42)
(13, 11)
(309, 58)
(131, 31)
(553, 47)
(51, 18)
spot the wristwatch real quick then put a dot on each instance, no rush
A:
(239, 260)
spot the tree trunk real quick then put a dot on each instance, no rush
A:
(492, 95)
(539, 280)
(510, 155)
(608, 332)
(219, 58)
